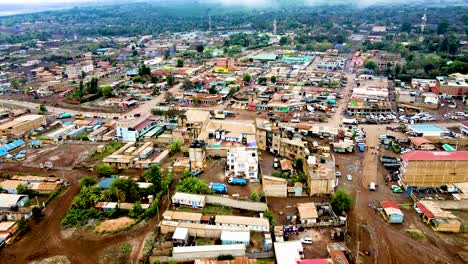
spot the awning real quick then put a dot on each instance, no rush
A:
(426, 212)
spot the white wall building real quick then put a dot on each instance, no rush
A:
(242, 162)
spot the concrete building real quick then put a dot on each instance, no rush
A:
(253, 223)
(267, 135)
(454, 85)
(22, 125)
(187, 199)
(427, 130)
(274, 186)
(307, 213)
(184, 217)
(434, 168)
(190, 125)
(186, 254)
(293, 148)
(242, 162)
(132, 130)
(289, 252)
(369, 96)
(7, 201)
(197, 154)
(421, 143)
(233, 237)
(11, 185)
(320, 171)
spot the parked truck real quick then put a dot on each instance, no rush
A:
(237, 181)
(64, 115)
(218, 187)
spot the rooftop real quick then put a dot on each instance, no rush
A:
(419, 155)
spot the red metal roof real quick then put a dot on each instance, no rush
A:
(418, 141)
(426, 212)
(389, 204)
(312, 261)
(144, 124)
(435, 155)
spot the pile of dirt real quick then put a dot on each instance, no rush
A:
(415, 233)
(53, 260)
(115, 224)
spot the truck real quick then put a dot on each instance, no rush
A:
(362, 147)
(395, 147)
(237, 181)
(348, 121)
(372, 186)
(64, 115)
(218, 187)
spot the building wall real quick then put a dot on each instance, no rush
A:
(452, 90)
(24, 127)
(275, 190)
(324, 186)
(434, 173)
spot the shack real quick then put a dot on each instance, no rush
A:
(392, 212)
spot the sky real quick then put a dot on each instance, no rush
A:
(235, 2)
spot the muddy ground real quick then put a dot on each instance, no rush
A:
(63, 156)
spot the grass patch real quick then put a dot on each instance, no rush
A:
(210, 210)
(415, 233)
(205, 242)
(118, 254)
(405, 206)
(265, 261)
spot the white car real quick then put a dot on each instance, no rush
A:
(338, 174)
(306, 240)
(460, 114)
(349, 177)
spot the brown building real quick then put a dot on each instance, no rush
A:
(434, 168)
(21, 125)
(455, 85)
(226, 63)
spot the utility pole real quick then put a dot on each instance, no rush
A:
(357, 252)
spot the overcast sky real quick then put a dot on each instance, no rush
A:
(235, 2)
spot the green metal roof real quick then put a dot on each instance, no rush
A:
(264, 56)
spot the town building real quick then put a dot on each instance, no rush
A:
(190, 200)
(307, 213)
(320, 172)
(258, 224)
(9, 201)
(132, 130)
(242, 162)
(289, 252)
(235, 237)
(434, 168)
(392, 212)
(21, 125)
(190, 254)
(454, 85)
(274, 186)
(11, 185)
(369, 96)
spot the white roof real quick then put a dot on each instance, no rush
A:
(4, 226)
(144, 185)
(180, 233)
(242, 236)
(188, 196)
(288, 252)
(211, 248)
(8, 200)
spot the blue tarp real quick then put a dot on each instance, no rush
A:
(10, 146)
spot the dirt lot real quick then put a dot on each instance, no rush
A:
(114, 224)
(46, 238)
(63, 156)
(214, 172)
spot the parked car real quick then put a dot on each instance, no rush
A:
(276, 163)
(306, 240)
(349, 177)
(338, 174)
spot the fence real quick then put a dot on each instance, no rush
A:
(236, 203)
(260, 255)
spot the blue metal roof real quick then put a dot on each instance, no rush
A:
(10, 146)
(106, 183)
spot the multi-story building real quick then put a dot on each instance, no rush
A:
(320, 171)
(132, 130)
(242, 162)
(369, 96)
(454, 85)
(434, 168)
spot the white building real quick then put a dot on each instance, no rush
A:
(242, 162)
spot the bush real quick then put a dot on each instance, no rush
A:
(193, 185)
(87, 181)
(79, 217)
(254, 197)
(104, 170)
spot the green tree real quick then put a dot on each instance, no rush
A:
(137, 210)
(175, 146)
(262, 80)
(180, 63)
(128, 187)
(273, 79)
(42, 109)
(104, 170)
(36, 212)
(371, 65)
(170, 80)
(92, 86)
(154, 175)
(87, 181)
(247, 78)
(87, 198)
(406, 27)
(341, 200)
(254, 197)
(107, 91)
(442, 27)
(144, 70)
(284, 41)
(193, 185)
(200, 48)
(213, 90)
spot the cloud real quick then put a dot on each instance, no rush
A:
(243, 2)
